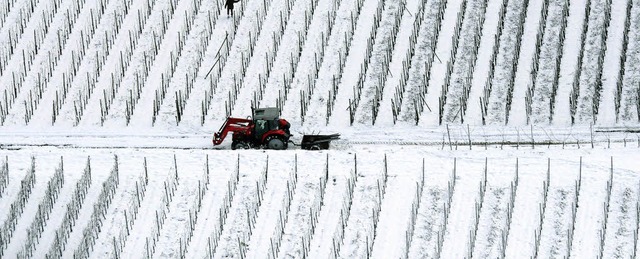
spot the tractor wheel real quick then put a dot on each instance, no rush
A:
(276, 143)
(239, 145)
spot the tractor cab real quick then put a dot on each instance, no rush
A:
(269, 129)
(266, 120)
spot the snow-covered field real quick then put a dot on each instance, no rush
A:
(354, 201)
(469, 128)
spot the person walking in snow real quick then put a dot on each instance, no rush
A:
(229, 5)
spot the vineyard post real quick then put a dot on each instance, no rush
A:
(635, 229)
(591, 132)
(115, 249)
(449, 136)
(533, 141)
(518, 141)
(469, 135)
(126, 220)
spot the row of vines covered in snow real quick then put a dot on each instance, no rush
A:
(187, 62)
(328, 206)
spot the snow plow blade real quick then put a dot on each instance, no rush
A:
(317, 142)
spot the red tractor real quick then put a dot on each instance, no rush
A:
(265, 130)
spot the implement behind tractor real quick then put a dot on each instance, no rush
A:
(266, 130)
(317, 142)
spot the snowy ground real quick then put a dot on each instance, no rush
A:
(313, 229)
(107, 110)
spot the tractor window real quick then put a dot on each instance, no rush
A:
(273, 125)
(261, 127)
